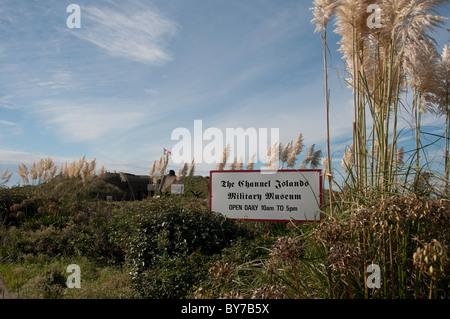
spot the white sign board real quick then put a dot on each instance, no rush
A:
(281, 195)
(177, 189)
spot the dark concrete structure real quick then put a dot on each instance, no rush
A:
(134, 187)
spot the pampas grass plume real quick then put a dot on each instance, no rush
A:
(251, 162)
(92, 165)
(101, 172)
(123, 177)
(23, 172)
(220, 166)
(232, 165)
(308, 158)
(285, 152)
(348, 159)
(5, 176)
(192, 168)
(5, 172)
(240, 164)
(182, 172)
(52, 171)
(40, 167)
(33, 172)
(324, 162)
(296, 149)
(323, 10)
(315, 159)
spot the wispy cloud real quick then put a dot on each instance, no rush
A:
(88, 123)
(140, 36)
(8, 123)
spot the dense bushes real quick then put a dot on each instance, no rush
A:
(166, 244)
(172, 243)
(173, 247)
(46, 225)
(9, 197)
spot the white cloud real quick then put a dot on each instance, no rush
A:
(84, 123)
(7, 123)
(16, 157)
(139, 36)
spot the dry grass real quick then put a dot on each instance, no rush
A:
(45, 170)
(5, 177)
(381, 65)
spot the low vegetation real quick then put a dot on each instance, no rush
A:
(174, 247)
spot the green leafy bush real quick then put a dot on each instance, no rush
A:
(169, 248)
(9, 197)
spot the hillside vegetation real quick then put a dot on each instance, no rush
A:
(174, 247)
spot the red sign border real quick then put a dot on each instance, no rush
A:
(266, 171)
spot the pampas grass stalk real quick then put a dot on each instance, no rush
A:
(33, 172)
(182, 172)
(296, 149)
(66, 170)
(165, 162)
(291, 160)
(232, 165)
(323, 11)
(308, 158)
(123, 177)
(79, 166)
(71, 169)
(48, 163)
(5, 176)
(251, 162)
(192, 168)
(52, 170)
(378, 62)
(298, 146)
(273, 156)
(446, 110)
(441, 94)
(152, 172)
(326, 171)
(40, 168)
(348, 159)
(223, 161)
(23, 173)
(85, 173)
(101, 172)
(240, 164)
(316, 159)
(92, 165)
(285, 152)
(269, 156)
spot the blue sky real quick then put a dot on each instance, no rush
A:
(117, 87)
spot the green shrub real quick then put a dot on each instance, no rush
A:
(9, 197)
(168, 248)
